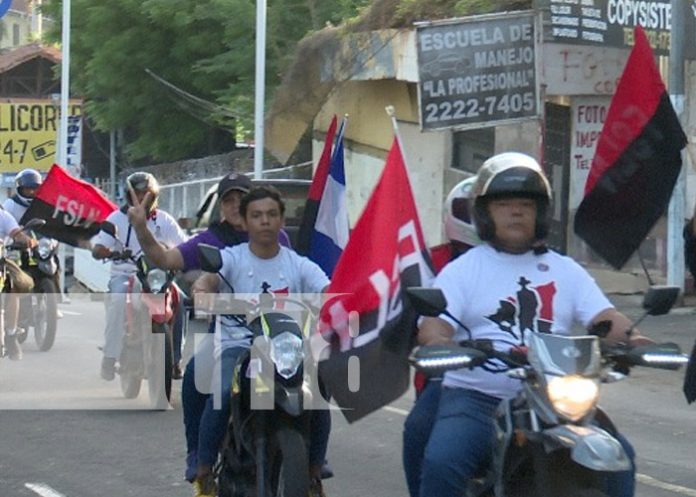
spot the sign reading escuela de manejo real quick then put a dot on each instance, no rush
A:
(28, 133)
(476, 72)
(611, 22)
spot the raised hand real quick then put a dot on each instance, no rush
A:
(138, 211)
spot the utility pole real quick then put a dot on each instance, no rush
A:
(675, 214)
(260, 83)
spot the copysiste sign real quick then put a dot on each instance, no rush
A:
(611, 22)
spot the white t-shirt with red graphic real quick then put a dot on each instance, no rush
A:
(286, 273)
(501, 296)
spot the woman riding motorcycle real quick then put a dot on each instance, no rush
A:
(500, 291)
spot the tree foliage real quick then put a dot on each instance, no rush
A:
(203, 47)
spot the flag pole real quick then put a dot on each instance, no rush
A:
(391, 112)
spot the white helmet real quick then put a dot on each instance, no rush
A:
(459, 221)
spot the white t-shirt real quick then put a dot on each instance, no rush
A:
(17, 210)
(7, 224)
(286, 273)
(499, 296)
(162, 225)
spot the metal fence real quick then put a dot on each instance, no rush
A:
(183, 199)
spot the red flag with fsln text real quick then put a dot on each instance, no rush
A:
(369, 326)
(72, 208)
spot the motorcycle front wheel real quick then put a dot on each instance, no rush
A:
(45, 310)
(129, 375)
(159, 375)
(289, 464)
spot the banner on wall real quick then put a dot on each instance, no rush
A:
(611, 22)
(587, 118)
(28, 132)
(478, 71)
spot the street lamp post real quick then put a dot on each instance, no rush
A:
(259, 86)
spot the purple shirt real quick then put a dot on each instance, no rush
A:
(189, 249)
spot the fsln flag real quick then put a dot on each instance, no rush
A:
(368, 325)
(331, 232)
(637, 162)
(316, 190)
(73, 209)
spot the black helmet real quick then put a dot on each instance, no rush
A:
(511, 174)
(27, 178)
(143, 182)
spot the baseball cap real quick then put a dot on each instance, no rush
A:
(233, 181)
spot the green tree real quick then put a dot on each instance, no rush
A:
(203, 47)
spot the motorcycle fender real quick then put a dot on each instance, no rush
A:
(290, 400)
(590, 446)
(159, 307)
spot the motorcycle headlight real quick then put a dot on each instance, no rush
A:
(45, 248)
(156, 278)
(572, 396)
(287, 353)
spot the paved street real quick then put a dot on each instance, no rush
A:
(66, 433)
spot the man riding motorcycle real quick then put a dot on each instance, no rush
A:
(17, 282)
(500, 290)
(260, 266)
(164, 229)
(27, 182)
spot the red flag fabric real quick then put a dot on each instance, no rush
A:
(386, 253)
(637, 162)
(72, 208)
(316, 189)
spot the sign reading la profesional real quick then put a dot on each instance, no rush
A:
(479, 71)
(28, 133)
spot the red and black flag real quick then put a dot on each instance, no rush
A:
(637, 162)
(369, 326)
(72, 208)
(316, 190)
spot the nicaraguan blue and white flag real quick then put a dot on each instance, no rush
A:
(331, 232)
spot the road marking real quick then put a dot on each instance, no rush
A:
(640, 478)
(71, 313)
(395, 410)
(43, 490)
(670, 487)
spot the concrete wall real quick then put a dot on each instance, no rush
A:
(368, 137)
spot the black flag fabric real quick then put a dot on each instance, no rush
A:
(690, 378)
(72, 208)
(637, 162)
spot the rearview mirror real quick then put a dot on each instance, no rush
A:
(659, 299)
(429, 302)
(210, 258)
(108, 228)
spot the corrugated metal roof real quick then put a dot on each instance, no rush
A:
(14, 57)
